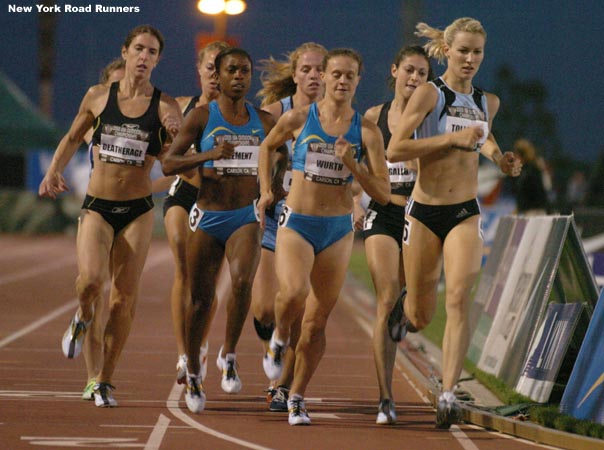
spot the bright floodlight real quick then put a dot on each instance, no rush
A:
(233, 7)
(211, 6)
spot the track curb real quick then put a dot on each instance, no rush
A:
(418, 358)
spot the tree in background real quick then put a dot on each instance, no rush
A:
(524, 114)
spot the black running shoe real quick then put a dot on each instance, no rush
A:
(279, 400)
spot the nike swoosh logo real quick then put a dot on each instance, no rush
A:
(217, 129)
(312, 136)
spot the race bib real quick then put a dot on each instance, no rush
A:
(454, 124)
(245, 158)
(399, 173)
(195, 216)
(123, 144)
(322, 166)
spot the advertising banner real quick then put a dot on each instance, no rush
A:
(535, 262)
(548, 349)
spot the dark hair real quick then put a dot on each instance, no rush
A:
(410, 50)
(141, 29)
(231, 51)
(344, 52)
(116, 64)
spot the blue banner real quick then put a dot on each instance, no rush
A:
(584, 394)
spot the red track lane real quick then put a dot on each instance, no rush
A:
(40, 390)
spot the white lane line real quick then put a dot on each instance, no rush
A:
(73, 303)
(173, 407)
(157, 435)
(462, 438)
(172, 403)
(38, 269)
(39, 323)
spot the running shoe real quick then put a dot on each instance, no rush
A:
(103, 395)
(397, 321)
(181, 369)
(448, 411)
(195, 395)
(279, 400)
(270, 393)
(273, 359)
(386, 413)
(88, 393)
(73, 339)
(231, 383)
(297, 412)
(181, 365)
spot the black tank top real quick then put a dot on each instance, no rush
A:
(382, 123)
(191, 105)
(405, 187)
(126, 140)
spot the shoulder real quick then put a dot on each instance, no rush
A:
(427, 90)
(183, 102)
(167, 103)
(493, 102)
(95, 99)
(265, 116)
(370, 129)
(276, 109)
(96, 91)
(296, 116)
(373, 113)
(368, 124)
(424, 99)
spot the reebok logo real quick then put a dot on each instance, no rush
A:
(120, 209)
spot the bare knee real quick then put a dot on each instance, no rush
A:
(420, 318)
(242, 287)
(457, 305)
(88, 286)
(122, 305)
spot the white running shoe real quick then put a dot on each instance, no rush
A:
(181, 365)
(103, 395)
(231, 383)
(195, 395)
(88, 393)
(386, 413)
(448, 411)
(73, 338)
(297, 412)
(181, 369)
(272, 362)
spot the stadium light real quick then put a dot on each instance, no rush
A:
(213, 7)
(234, 7)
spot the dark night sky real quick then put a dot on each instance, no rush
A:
(557, 42)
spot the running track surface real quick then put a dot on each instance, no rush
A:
(40, 405)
